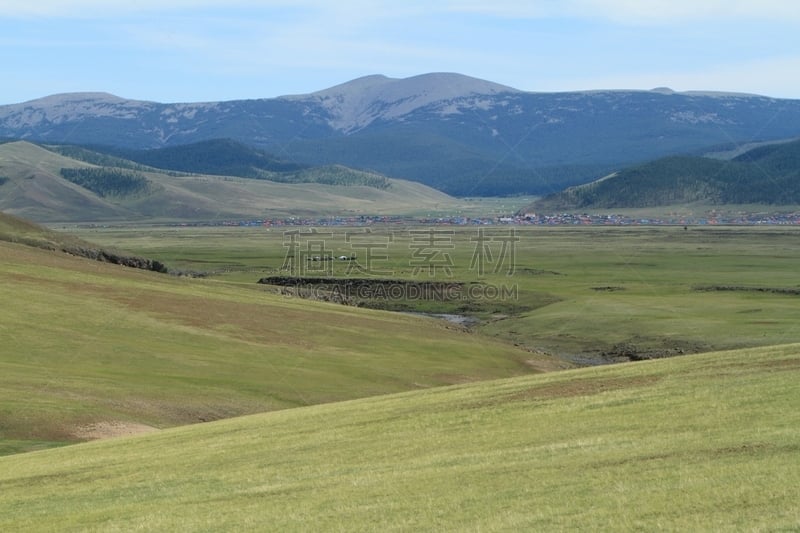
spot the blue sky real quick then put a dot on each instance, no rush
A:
(205, 50)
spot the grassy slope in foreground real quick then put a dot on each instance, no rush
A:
(705, 442)
(83, 342)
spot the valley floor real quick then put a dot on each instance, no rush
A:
(591, 294)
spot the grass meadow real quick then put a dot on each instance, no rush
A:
(703, 443)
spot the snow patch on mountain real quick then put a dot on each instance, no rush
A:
(60, 108)
(70, 107)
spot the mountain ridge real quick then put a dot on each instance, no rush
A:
(461, 135)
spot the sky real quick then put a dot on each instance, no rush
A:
(208, 50)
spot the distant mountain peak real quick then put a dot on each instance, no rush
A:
(63, 107)
(355, 104)
(446, 84)
(358, 84)
(61, 98)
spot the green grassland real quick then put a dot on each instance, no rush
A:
(272, 412)
(85, 342)
(703, 443)
(583, 293)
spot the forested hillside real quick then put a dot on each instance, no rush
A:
(765, 175)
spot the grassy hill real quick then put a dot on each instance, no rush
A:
(225, 157)
(14, 229)
(767, 175)
(17, 230)
(45, 186)
(87, 343)
(706, 442)
(33, 187)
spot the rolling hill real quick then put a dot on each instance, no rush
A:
(225, 157)
(87, 343)
(768, 175)
(700, 443)
(45, 186)
(462, 135)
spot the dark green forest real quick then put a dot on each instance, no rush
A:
(108, 182)
(333, 175)
(223, 157)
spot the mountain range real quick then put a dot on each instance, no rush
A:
(461, 135)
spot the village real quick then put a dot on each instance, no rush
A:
(524, 219)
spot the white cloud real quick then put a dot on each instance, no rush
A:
(109, 8)
(285, 45)
(635, 11)
(621, 11)
(670, 11)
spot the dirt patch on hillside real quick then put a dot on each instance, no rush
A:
(111, 429)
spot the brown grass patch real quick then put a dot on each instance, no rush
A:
(723, 369)
(697, 456)
(454, 379)
(781, 364)
(582, 387)
(567, 389)
(110, 429)
(548, 363)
